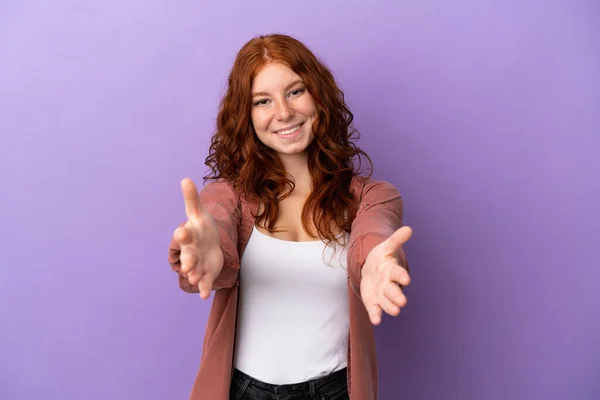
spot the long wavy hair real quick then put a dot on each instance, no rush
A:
(256, 172)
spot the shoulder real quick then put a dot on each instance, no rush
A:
(220, 191)
(374, 191)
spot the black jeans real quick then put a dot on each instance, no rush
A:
(331, 387)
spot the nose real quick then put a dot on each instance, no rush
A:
(284, 111)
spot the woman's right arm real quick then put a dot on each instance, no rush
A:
(220, 201)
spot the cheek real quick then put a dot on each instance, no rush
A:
(310, 108)
(259, 121)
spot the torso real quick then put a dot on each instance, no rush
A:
(293, 315)
(306, 329)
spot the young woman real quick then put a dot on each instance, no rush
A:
(303, 253)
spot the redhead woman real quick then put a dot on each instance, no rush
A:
(302, 251)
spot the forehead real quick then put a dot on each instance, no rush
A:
(272, 77)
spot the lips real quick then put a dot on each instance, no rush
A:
(289, 130)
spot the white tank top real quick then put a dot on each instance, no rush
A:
(293, 321)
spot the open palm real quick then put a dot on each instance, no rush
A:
(201, 255)
(382, 277)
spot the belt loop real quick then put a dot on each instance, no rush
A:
(311, 386)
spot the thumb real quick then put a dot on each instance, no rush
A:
(398, 239)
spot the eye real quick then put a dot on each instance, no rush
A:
(261, 102)
(297, 92)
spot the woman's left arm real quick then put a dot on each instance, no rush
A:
(377, 263)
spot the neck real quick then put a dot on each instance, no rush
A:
(297, 167)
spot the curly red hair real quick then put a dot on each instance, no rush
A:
(238, 156)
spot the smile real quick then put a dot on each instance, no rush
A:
(288, 131)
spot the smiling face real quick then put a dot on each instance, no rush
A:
(283, 111)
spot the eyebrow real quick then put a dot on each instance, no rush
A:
(297, 81)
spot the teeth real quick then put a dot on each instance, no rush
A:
(287, 132)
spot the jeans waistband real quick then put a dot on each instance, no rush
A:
(319, 386)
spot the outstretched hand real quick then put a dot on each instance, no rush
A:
(382, 277)
(201, 255)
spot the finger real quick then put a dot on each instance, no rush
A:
(389, 307)
(190, 198)
(394, 294)
(399, 275)
(205, 285)
(193, 277)
(183, 236)
(188, 260)
(397, 240)
(374, 313)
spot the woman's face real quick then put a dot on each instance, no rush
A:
(283, 111)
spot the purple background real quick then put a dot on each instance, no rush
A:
(485, 115)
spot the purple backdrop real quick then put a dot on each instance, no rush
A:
(484, 114)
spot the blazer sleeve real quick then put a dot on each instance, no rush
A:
(221, 201)
(379, 215)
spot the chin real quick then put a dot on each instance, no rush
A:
(291, 152)
(296, 148)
